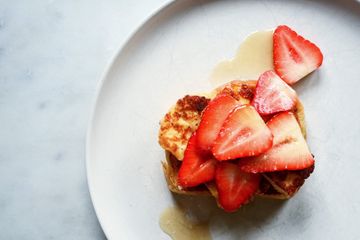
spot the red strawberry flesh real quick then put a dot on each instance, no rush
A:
(273, 95)
(213, 118)
(294, 56)
(243, 134)
(234, 186)
(289, 151)
(197, 166)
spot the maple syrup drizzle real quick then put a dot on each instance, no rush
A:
(175, 222)
(254, 56)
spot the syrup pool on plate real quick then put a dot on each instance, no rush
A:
(175, 222)
(254, 56)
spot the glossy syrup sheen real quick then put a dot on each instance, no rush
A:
(179, 226)
(254, 56)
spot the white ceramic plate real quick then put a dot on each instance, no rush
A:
(171, 55)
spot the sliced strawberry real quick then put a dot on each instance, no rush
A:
(289, 151)
(234, 186)
(213, 118)
(243, 134)
(273, 95)
(294, 56)
(197, 166)
(266, 118)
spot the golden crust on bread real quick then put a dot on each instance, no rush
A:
(288, 182)
(243, 91)
(300, 117)
(180, 122)
(267, 190)
(174, 135)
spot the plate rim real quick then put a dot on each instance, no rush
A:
(98, 89)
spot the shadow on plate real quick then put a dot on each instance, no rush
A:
(247, 220)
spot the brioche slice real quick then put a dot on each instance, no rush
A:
(183, 119)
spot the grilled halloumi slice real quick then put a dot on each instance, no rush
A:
(180, 122)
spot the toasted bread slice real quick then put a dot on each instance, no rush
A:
(183, 119)
(288, 182)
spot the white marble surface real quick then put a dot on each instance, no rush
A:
(52, 54)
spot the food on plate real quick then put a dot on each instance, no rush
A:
(289, 151)
(246, 137)
(243, 134)
(294, 56)
(273, 95)
(180, 122)
(235, 187)
(198, 166)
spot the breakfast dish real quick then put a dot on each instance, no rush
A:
(168, 59)
(247, 137)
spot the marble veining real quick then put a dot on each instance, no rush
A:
(52, 55)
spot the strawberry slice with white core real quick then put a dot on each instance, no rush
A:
(273, 95)
(197, 166)
(244, 133)
(289, 151)
(294, 56)
(234, 186)
(213, 118)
